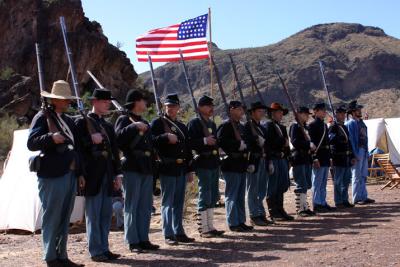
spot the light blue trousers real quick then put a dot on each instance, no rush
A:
(208, 188)
(359, 176)
(256, 190)
(173, 198)
(319, 181)
(118, 208)
(138, 193)
(235, 190)
(98, 211)
(58, 197)
(341, 182)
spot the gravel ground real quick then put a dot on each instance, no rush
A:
(362, 236)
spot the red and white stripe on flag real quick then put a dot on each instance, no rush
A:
(163, 46)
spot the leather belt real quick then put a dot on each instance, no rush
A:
(209, 153)
(141, 153)
(172, 160)
(279, 155)
(237, 155)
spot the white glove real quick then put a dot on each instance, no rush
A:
(260, 141)
(242, 146)
(271, 168)
(312, 146)
(251, 168)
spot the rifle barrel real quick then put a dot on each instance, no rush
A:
(114, 102)
(322, 71)
(253, 82)
(221, 90)
(156, 96)
(71, 63)
(189, 86)
(39, 66)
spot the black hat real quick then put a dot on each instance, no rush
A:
(320, 106)
(305, 110)
(276, 106)
(353, 105)
(206, 101)
(257, 105)
(171, 99)
(101, 94)
(235, 104)
(132, 97)
(341, 109)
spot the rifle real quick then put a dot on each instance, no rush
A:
(254, 84)
(90, 127)
(160, 112)
(206, 132)
(114, 102)
(322, 71)
(221, 91)
(47, 110)
(286, 91)
(120, 109)
(239, 88)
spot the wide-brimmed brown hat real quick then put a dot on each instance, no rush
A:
(60, 90)
(276, 106)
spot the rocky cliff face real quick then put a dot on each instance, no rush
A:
(24, 22)
(359, 61)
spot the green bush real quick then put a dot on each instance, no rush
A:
(6, 73)
(8, 124)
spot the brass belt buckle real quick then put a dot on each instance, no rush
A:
(179, 161)
(244, 155)
(104, 153)
(214, 152)
(70, 147)
(147, 153)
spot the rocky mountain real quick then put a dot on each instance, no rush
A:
(24, 22)
(360, 61)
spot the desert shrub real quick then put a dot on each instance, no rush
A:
(6, 73)
(8, 124)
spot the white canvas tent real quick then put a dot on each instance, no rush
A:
(385, 135)
(20, 206)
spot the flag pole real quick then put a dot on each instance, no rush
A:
(210, 51)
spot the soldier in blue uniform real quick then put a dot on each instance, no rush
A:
(102, 173)
(359, 140)
(135, 141)
(171, 142)
(301, 160)
(277, 153)
(203, 142)
(342, 159)
(230, 136)
(256, 177)
(318, 131)
(57, 170)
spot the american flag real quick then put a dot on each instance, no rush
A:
(163, 44)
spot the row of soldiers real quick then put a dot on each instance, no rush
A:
(251, 157)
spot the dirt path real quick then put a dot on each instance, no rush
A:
(362, 236)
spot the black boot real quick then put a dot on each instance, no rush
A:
(283, 215)
(271, 208)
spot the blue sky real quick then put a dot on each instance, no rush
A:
(236, 24)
